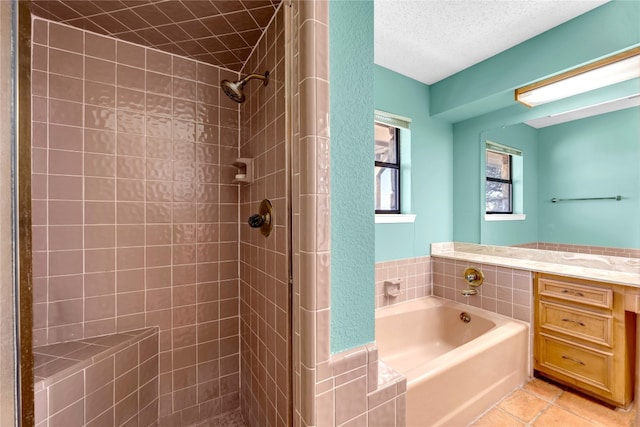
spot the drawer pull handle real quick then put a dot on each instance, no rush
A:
(577, 322)
(570, 292)
(579, 362)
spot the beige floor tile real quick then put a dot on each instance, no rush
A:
(497, 418)
(595, 411)
(543, 389)
(558, 417)
(523, 405)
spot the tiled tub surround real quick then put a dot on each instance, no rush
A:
(414, 275)
(264, 268)
(505, 291)
(105, 381)
(134, 210)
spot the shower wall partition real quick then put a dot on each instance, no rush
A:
(264, 261)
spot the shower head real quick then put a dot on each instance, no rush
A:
(234, 89)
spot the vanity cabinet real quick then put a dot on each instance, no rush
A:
(584, 337)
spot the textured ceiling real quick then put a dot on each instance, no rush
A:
(431, 40)
(217, 32)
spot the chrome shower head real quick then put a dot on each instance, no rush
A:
(234, 89)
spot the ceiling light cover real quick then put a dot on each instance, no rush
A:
(612, 70)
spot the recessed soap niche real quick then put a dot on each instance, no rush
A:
(245, 170)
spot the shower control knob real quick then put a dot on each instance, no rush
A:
(263, 219)
(256, 221)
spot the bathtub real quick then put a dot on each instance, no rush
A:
(455, 370)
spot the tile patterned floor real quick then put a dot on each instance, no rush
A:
(540, 403)
(229, 419)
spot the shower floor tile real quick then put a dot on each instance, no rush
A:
(541, 403)
(230, 419)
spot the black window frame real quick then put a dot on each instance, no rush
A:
(395, 165)
(502, 181)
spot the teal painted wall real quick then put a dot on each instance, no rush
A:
(474, 86)
(592, 157)
(467, 145)
(352, 193)
(431, 170)
(489, 85)
(524, 138)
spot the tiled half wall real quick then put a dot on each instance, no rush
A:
(135, 216)
(345, 389)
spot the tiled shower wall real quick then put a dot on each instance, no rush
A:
(264, 267)
(134, 210)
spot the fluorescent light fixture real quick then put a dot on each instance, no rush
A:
(605, 72)
(590, 111)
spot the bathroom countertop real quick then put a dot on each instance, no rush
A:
(618, 270)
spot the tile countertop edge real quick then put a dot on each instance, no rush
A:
(616, 277)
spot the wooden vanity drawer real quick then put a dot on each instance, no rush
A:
(596, 328)
(588, 295)
(589, 366)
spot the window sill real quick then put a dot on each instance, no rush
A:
(395, 218)
(505, 217)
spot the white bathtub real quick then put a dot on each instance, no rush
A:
(455, 371)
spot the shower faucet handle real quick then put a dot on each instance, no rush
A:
(263, 219)
(256, 221)
(473, 276)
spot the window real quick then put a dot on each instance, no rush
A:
(499, 185)
(387, 168)
(504, 183)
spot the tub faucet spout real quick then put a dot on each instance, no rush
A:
(469, 292)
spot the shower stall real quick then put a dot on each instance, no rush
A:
(153, 299)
